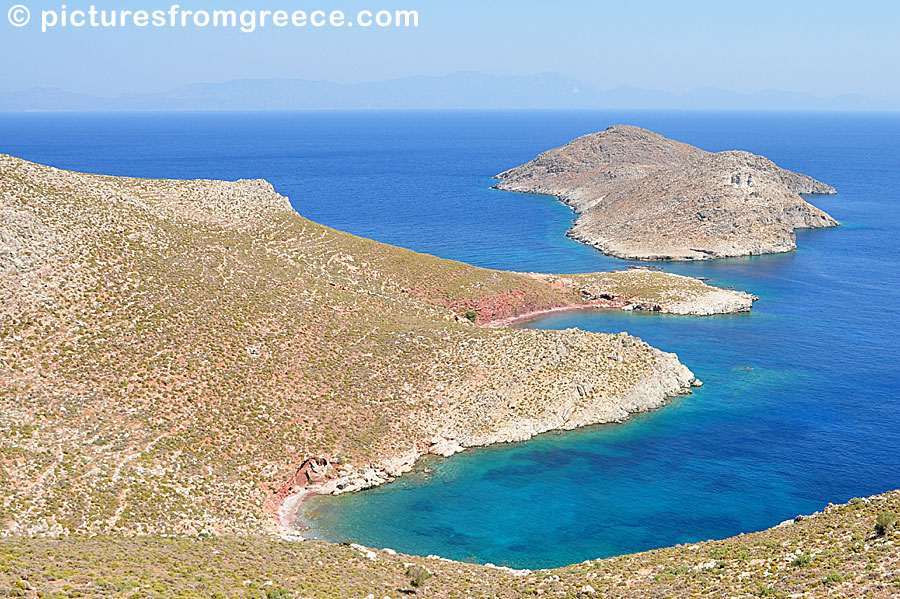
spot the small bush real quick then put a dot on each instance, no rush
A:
(802, 560)
(885, 523)
(472, 315)
(417, 575)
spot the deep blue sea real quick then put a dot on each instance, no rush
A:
(801, 405)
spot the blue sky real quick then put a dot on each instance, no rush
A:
(823, 47)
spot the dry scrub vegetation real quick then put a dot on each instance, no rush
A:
(171, 351)
(836, 553)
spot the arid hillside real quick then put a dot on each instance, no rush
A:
(843, 551)
(171, 352)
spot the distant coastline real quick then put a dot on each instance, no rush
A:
(464, 90)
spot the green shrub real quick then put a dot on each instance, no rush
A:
(417, 575)
(472, 315)
(885, 523)
(802, 560)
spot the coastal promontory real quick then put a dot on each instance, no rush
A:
(181, 356)
(641, 196)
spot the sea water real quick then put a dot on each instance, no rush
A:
(801, 404)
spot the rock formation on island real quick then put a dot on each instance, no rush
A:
(641, 196)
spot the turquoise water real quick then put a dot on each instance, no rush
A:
(800, 406)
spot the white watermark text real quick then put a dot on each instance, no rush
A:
(246, 21)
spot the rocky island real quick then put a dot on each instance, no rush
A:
(641, 196)
(179, 358)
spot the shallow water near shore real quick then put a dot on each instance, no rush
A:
(801, 402)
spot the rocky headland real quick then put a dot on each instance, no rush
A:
(641, 196)
(183, 356)
(653, 291)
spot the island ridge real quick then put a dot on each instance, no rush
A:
(181, 356)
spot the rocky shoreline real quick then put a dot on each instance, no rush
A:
(666, 379)
(838, 551)
(663, 293)
(172, 351)
(723, 302)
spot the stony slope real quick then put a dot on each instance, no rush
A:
(642, 196)
(654, 291)
(173, 352)
(834, 553)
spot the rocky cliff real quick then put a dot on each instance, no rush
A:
(641, 196)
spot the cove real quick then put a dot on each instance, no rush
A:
(799, 409)
(801, 404)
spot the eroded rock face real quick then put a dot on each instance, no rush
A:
(537, 381)
(644, 197)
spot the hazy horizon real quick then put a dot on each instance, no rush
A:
(466, 90)
(824, 49)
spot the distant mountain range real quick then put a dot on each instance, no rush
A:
(462, 90)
